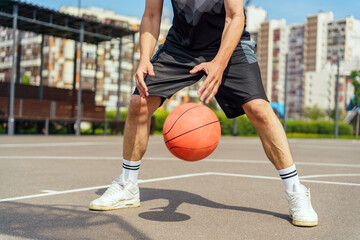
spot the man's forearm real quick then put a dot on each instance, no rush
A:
(149, 34)
(231, 36)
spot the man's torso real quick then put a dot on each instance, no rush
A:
(198, 24)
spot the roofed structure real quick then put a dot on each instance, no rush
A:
(41, 20)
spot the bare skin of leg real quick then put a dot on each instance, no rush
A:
(271, 132)
(137, 126)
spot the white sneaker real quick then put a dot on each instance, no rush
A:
(118, 195)
(301, 212)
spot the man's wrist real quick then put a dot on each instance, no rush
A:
(222, 62)
(144, 59)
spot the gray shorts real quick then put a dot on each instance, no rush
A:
(241, 79)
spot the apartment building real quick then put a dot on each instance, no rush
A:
(271, 50)
(107, 57)
(100, 68)
(295, 71)
(318, 87)
(343, 41)
(315, 49)
(312, 55)
(333, 39)
(29, 53)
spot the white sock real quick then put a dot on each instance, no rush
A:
(290, 177)
(130, 170)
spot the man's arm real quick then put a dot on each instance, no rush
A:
(233, 29)
(149, 34)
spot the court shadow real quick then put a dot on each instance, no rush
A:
(58, 222)
(176, 198)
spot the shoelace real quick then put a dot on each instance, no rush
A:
(114, 188)
(300, 200)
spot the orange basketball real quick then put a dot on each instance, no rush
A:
(191, 131)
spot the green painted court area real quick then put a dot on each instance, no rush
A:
(235, 193)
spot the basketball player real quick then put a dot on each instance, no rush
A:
(208, 37)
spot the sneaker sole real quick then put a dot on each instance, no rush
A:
(108, 208)
(301, 223)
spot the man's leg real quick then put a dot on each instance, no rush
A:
(270, 131)
(124, 191)
(277, 149)
(137, 127)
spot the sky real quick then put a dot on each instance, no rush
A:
(294, 11)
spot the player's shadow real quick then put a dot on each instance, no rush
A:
(176, 198)
(58, 222)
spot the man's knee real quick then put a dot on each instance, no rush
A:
(135, 102)
(258, 109)
(143, 106)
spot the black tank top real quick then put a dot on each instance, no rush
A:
(199, 24)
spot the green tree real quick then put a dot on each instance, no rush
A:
(25, 79)
(314, 113)
(342, 114)
(355, 79)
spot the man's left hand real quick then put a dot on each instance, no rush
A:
(210, 86)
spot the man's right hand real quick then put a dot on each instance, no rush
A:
(145, 67)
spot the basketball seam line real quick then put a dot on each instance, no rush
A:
(179, 118)
(177, 154)
(193, 148)
(191, 131)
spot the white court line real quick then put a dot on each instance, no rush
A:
(331, 175)
(49, 191)
(244, 175)
(99, 187)
(52, 193)
(333, 183)
(62, 157)
(325, 147)
(299, 145)
(59, 144)
(169, 178)
(275, 178)
(175, 159)
(250, 141)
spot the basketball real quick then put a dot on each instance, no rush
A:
(191, 131)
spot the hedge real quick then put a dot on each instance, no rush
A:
(160, 117)
(111, 115)
(245, 128)
(317, 127)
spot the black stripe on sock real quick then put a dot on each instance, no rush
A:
(284, 175)
(289, 176)
(131, 168)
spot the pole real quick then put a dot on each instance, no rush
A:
(357, 122)
(235, 131)
(285, 90)
(11, 121)
(119, 82)
(41, 88)
(79, 110)
(337, 99)
(75, 65)
(18, 57)
(96, 70)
